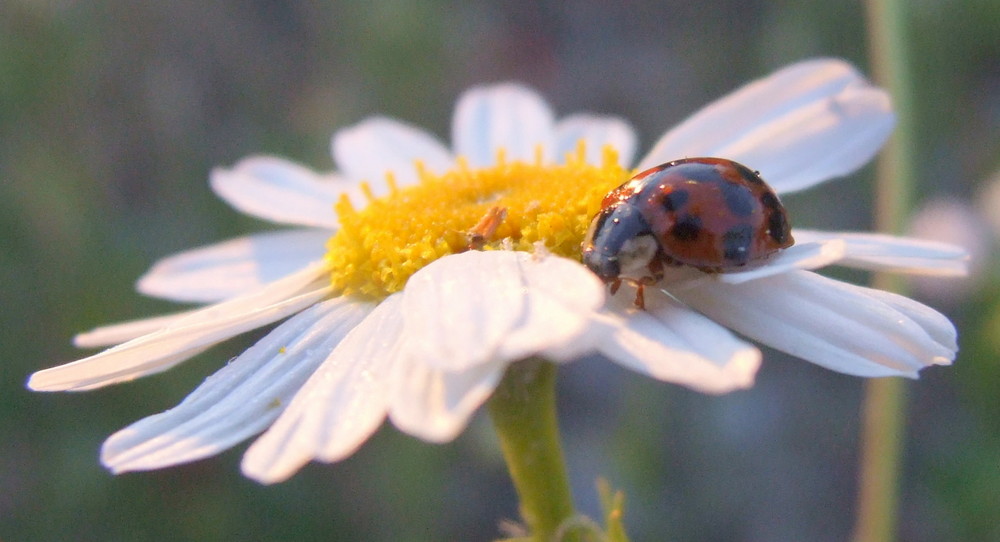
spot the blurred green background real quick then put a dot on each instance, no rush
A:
(113, 113)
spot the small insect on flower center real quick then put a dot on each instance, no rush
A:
(512, 205)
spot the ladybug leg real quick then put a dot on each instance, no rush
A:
(655, 269)
(640, 301)
(655, 274)
(483, 231)
(640, 298)
(615, 284)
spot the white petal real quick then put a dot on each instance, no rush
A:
(375, 146)
(468, 316)
(436, 405)
(810, 255)
(820, 142)
(340, 405)
(453, 321)
(241, 399)
(880, 252)
(561, 300)
(125, 331)
(478, 307)
(597, 132)
(237, 266)
(669, 342)
(506, 116)
(742, 110)
(802, 125)
(183, 338)
(937, 325)
(280, 191)
(839, 326)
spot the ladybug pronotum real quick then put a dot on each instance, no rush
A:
(709, 213)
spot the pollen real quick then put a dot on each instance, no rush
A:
(513, 205)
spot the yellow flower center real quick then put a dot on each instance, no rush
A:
(512, 205)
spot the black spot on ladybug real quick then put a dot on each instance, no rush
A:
(736, 244)
(770, 202)
(687, 228)
(675, 200)
(749, 175)
(777, 223)
(777, 227)
(739, 200)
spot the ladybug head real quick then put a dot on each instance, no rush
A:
(619, 244)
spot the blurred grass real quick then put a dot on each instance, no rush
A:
(112, 115)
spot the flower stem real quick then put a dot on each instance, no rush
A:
(882, 443)
(523, 409)
(885, 399)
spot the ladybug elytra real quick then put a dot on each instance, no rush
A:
(712, 214)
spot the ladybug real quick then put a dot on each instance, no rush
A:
(712, 214)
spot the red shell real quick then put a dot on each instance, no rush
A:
(710, 213)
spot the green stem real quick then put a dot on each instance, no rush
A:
(885, 399)
(882, 445)
(891, 70)
(523, 409)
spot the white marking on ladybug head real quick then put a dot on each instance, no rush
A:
(635, 256)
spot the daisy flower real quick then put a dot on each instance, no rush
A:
(389, 314)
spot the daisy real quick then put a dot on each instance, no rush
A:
(392, 316)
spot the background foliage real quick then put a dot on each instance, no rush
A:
(113, 113)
